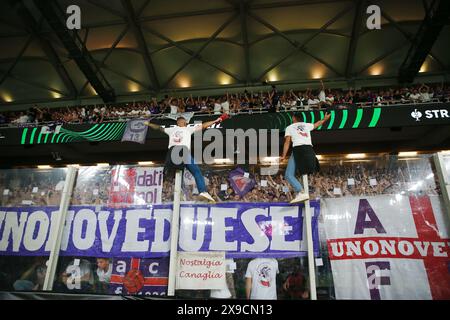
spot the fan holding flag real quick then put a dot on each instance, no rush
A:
(180, 143)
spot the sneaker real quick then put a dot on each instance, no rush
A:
(300, 197)
(207, 196)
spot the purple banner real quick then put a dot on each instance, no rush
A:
(240, 229)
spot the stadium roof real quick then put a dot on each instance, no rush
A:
(156, 46)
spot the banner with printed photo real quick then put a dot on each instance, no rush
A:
(242, 230)
(388, 247)
(136, 131)
(135, 186)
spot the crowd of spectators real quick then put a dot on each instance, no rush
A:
(30, 187)
(240, 102)
(337, 178)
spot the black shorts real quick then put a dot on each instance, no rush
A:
(306, 161)
(180, 151)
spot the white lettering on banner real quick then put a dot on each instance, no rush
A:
(337, 252)
(422, 247)
(121, 266)
(188, 241)
(108, 240)
(147, 230)
(74, 279)
(405, 248)
(53, 230)
(133, 230)
(397, 248)
(161, 217)
(436, 114)
(13, 226)
(153, 267)
(353, 248)
(261, 241)
(400, 252)
(219, 230)
(84, 217)
(40, 220)
(438, 248)
(387, 246)
(371, 247)
(66, 231)
(280, 228)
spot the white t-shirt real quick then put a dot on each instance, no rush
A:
(263, 273)
(217, 108)
(313, 102)
(181, 136)
(330, 99)
(22, 119)
(414, 96)
(322, 96)
(225, 106)
(300, 133)
(173, 109)
(425, 96)
(104, 276)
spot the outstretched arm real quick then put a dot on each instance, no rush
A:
(219, 119)
(209, 123)
(321, 122)
(154, 126)
(321, 83)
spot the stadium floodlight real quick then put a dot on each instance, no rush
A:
(145, 163)
(356, 156)
(44, 166)
(102, 164)
(407, 154)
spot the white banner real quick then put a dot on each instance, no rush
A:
(135, 186)
(388, 247)
(201, 271)
(187, 115)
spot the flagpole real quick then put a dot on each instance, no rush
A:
(174, 230)
(57, 236)
(309, 241)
